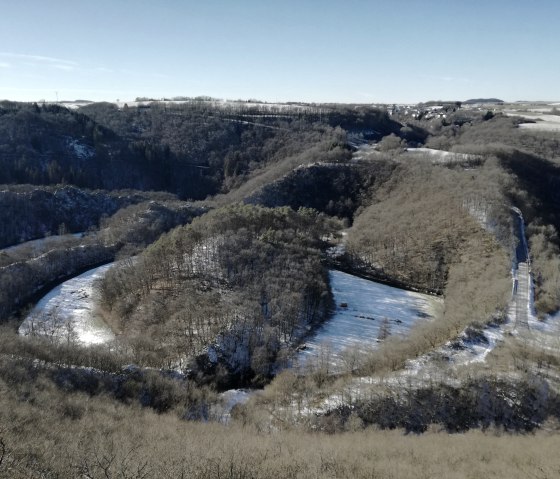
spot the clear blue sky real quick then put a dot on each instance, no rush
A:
(306, 50)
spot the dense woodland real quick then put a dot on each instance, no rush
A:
(408, 235)
(227, 295)
(27, 271)
(222, 292)
(461, 251)
(332, 188)
(191, 150)
(29, 212)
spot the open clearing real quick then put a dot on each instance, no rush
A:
(439, 156)
(366, 312)
(543, 121)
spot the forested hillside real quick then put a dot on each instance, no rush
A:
(409, 235)
(192, 149)
(531, 159)
(27, 270)
(29, 212)
(235, 291)
(230, 292)
(335, 189)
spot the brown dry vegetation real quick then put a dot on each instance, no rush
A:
(47, 433)
(57, 421)
(545, 254)
(530, 159)
(27, 270)
(523, 357)
(420, 232)
(418, 223)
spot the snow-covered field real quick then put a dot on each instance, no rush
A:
(366, 312)
(366, 152)
(544, 122)
(470, 347)
(80, 149)
(67, 313)
(545, 125)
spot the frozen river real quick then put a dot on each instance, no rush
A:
(68, 312)
(366, 313)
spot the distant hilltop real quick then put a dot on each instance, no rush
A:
(483, 100)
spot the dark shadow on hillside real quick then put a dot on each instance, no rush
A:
(540, 178)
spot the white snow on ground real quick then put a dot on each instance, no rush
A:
(525, 324)
(226, 104)
(370, 152)
(418, 373)
(340, 248)
(230, 399)
(541, 125)
(365, 152)
(462, 351)
(479, 211)
(521, 323)
(543, 121)
(68, 312)
(364, 309)
(467, 349)
(544, 334)
(81, 150)
(440, 156)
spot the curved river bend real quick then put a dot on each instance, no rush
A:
(68, 312)
(365, 313)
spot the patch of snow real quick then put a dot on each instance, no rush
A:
(545, 334)
(542, 126)
(465, 350)
(233, 397)
(228, 400)
(366, 311)
(340, 248)
(479, 213)
(543, 121)
(365, 152)
(441, 156)
(67, 313)
(81, 150)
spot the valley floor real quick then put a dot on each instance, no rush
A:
(366, 313)
(68, 312)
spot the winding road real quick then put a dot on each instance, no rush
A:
(521, 305)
